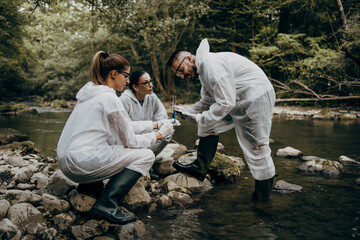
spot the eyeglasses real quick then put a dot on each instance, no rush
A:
(146, 83)
(125, 74)
(177, 72)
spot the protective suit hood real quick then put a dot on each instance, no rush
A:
(90, 90)
(201, 52)
(130, 94)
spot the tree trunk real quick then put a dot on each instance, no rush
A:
(343, 17)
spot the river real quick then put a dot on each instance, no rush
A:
(327, 208)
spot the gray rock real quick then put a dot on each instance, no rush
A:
(15, 196)
(346, 161)
(40, 179)
(135, 230)
(137, 197)
(90, 229)
(289, 152)
(23, 175)
(163, 166)
(25, 186)
(190, 183)
(322, 166)
(81, 202)
(180, 198)
(27, 218)
(8, 230)
(16, 160)
(178, 148)
(49, 233)
(60, 185)
(54, 204)
(4, 207)
(171, 186)
(165, 201)
(64, 220)
(165, 153)
(309, 158)
(283, 187)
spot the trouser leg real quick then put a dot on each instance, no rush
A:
(93, 189)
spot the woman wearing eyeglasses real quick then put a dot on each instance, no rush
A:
(142, 104)
(99, 141)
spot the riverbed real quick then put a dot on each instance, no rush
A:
(327, 208)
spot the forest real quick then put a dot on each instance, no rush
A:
(309, 49)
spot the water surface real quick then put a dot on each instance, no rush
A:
(328, 208)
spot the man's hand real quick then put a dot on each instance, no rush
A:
(166, 130)
(174, 123)
(186, 116)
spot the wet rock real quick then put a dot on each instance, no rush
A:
(189, 182)
(134, 230)
(54, 204)
(15, 196)
(346, 161)
(178, 148)
(163, 166)
(284, 187)
(90, 229)
(309, 158)
(81, 202)
(325, 114)
(137, 197)
(171, 186)
(8, 230)
(4, 207)
(60, 185)
(224, 169)
(322, 166)
(27, 218)
(64, 220)
(165, 153)
(165, 201)
(289, 152)
(180, 198)
(357, 181)
(9, 135)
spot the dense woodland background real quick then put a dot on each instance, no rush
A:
(308, 48)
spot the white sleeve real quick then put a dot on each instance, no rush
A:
(203, 104)
(142, 126)
(127, 134)
(225, 99)
(159, 110)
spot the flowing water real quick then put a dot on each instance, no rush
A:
(327, 208)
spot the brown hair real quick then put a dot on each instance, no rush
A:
(103, 64)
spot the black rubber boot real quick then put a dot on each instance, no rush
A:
(263, 189)
(205, 154)
(91, 189)
(106, 207)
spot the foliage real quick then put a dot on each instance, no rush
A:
(303, 46)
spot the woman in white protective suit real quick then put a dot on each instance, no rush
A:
(235, 93)
(99, 141)
(142, 104)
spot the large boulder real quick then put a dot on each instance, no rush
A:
(60, 185)
(191, 183)
(27, 218)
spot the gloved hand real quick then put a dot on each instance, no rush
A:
(174, 123)
(186, 115)
(166, 130)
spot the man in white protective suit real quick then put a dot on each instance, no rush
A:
(236, 93)
(142, 104)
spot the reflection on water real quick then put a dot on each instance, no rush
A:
(328, 208)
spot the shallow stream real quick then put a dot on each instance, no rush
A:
(328, 207)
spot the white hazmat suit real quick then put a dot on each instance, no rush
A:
(151, 109)
(236, 93)
(99, 140)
